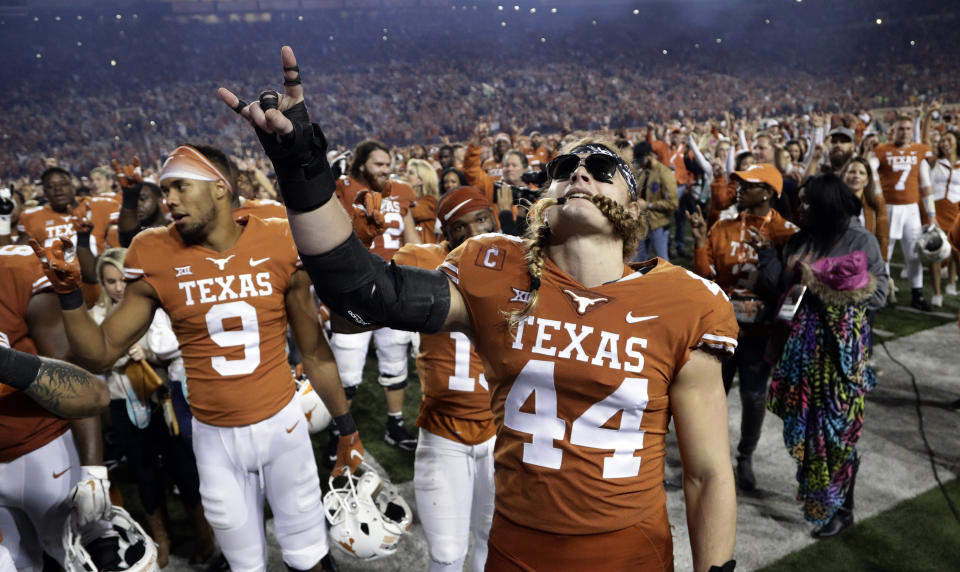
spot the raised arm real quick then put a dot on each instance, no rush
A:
(700, 413)
(96, 347)
(349, 278)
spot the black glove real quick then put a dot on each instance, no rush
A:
(300, 161)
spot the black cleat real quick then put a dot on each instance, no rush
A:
(745, 478)
(398, 436)
(919, 302)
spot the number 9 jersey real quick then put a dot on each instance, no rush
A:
(580, 390)
(227, 310)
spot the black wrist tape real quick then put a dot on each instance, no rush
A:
(72, 300)
(728, 566)
(300, 161)
(345, 424)
(130, 198)
(83, 240)
(17, 369)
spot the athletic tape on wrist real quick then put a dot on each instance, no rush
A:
(345, 424)
(83, 240)
(131, 197)
(5, 224)
(71, 300)
(18, 369)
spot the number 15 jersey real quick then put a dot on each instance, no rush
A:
(580, 389)
(227, 310)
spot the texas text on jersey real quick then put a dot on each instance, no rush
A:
(559, 437)
(900, 170)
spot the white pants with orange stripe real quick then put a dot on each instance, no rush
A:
(453, 483)
(240, 467)
(33, 501)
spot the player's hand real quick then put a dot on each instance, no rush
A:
(90, 497)
(82, 218)
(59, 264)
(698, 226)
(757, 239)
(129, 176)
(349, 454)
(368, 221)
(273, 121)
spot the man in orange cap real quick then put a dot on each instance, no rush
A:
(728, 255)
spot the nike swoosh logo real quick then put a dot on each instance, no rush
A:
(293, 427)
(60, 474)
(631, 319)
(355, 453)
(258, 262)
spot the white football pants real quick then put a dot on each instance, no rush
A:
(906, 227)
(350, 351)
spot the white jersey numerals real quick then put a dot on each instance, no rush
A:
(461, 380)
(588, 430)
(393, 235)
(904, 175)
(247, 336)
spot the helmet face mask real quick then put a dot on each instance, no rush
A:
(933, 245)
(128, 544)
(367, 515)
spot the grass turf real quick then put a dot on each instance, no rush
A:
(931, 541)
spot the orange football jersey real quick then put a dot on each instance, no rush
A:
(227, 310)
(728, 258)
(46, 225)
(262, 208)
(24, 425)
(580, 390)
(397, 197)
(899, 171)
(456, 401)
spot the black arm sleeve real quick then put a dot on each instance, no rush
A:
(366, 290)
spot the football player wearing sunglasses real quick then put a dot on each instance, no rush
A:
(610, 352)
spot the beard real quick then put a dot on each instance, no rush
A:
(839, 159)
(376, 184)
(196, 232)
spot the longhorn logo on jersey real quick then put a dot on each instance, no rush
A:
(221, 262)
(582, 304)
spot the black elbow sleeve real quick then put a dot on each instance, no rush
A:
(363, 288)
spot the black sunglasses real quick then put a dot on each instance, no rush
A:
(601, 167)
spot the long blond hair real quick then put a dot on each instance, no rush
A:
(428, 177)
(112, 257)
(630, 230)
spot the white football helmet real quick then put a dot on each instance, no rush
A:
(933, 245)
(317, 414)
(367, 516)
(126, 545)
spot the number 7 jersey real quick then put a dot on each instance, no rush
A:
(228, 312)
(580, 391)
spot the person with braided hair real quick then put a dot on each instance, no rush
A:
(586, 358)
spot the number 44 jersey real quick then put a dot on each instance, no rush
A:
(227, 310)
(580, 390)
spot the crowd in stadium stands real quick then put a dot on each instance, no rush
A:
(752, 151)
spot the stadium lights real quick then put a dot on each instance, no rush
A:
(553, 10)
(503, 24)
(39, 55)
(57, 18)
(719, 40)
(384, 38)
(119, 16)
(879, 21)
(36, 19)
(79, 17)
(500, 8)
(913, 42)
(636, 12)
(533, 10)
(113, 63)
(767, 21)
(79, 44)
(594, 22)
(330, 38)
(516, 8)
(697, 46)
(300, 18)
(543, 40)
(664, 52)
